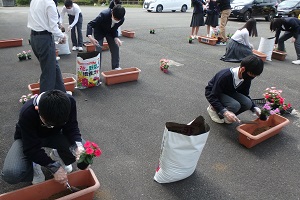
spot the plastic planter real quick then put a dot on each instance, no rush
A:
(208, 40)
(262, 56)
(15, 42)
(127, 33)
(121, 76)
(279, 55)
(276, 122)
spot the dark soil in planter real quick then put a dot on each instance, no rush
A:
(63, 193)
(259, 130)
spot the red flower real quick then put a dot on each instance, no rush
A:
(98, 152)
(89, 151)
(87, 144)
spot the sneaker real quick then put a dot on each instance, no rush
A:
(57, 58)
(221, 43)
(214, 116)
(192, 37)
(38, 175)
(54, 156)
(296, 62)
(118, 68)
(74, 48)
(80, 49)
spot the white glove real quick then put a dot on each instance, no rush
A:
(79, 150)
(60, 176)
(69, 28)
(230, 116)
(256, 111)
(118, 41)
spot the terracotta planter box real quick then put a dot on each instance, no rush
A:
(208, 40)
(90, 47)
(127, 33)
(277, 122)
(48, 188)
(69, 83)
(279, 55)
(121, 76)
(260, 54)
(15, 42)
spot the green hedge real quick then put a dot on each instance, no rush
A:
(23, 2)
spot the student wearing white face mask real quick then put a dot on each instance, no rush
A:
(106, 25)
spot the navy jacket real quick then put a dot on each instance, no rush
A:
(31, 132)
(224, 4)
(198, 6)
(223, 82)
(291, 24)
(102, 25)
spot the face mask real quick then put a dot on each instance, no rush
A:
(246, 76)
(114, 21)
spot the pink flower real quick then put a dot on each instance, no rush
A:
(98, 152)
(87, 144)
(94, 145)
(89, 151)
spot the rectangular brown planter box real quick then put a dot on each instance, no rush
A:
(277, 122)
(260, 54)
(15, 42)
(208, 40)
(90, 47)
(69, 83)
(127, 33)
(279, 55)
(44, 190)
(121, 76)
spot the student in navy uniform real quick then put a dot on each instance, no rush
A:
(43, 27)
(228, 91)
(291, 26)
(48, 120)
(197, 17)
(212, 15)
(106, 25)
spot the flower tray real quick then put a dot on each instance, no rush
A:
(15, 42)
(69, 83)
(276, 122)
(121, 76)
(279, 55)
(83, 178)
(208, 40)
(127, 33)
(90, 47)
(262, 56)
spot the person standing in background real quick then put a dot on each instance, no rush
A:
(212, 15)
(75, 22)
(197, 18)
(225, 9)
(42, 20)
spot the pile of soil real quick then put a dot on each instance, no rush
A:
(259, 130)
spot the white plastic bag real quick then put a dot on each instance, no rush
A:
(180, 152)
(214, 32)
(88, 69)
(63, 49)
(266, 46)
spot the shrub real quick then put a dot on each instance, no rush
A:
(23, 2)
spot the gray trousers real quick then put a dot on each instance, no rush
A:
(78, 27)
(287, 35)
(114, 51)
(44, 49)
(236, 103)
(18, 168)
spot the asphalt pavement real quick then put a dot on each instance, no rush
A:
(127, 120)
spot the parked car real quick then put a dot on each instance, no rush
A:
(245, 9)
(290, 8)
(167, 5)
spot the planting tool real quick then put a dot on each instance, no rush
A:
(72, 188)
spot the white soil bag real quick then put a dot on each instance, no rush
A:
(180, 150)
(266, 46)
(63, 49)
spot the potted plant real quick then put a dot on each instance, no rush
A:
(28, 54)
(275, 99)
(152, 31)
(86, 158)
(25, 98)
(22, 55)
(164, 65)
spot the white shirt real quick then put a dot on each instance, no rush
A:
(242, 36)
(237, 80)
(43, 16)
(75, 10)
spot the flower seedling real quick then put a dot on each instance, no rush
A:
(91, 150)
(25, 98)
(164, 65)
